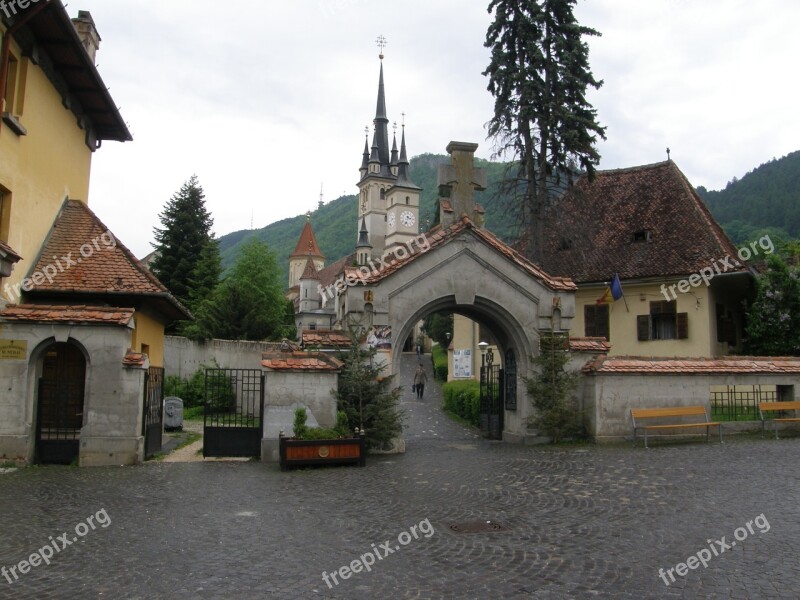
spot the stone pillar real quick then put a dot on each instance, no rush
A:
(458, 183)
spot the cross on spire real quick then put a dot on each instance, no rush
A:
(381, 41)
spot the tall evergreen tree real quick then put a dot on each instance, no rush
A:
(249, 303)
(203, 282)
(539, 73)
(185, 231)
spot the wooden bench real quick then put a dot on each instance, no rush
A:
(776, 407)
(677, 411)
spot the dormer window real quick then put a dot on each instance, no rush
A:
(642, 236)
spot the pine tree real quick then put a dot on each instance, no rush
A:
(186, 230)
(539, 73)
(773, 320)
(366, 397)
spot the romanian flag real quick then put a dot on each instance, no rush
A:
(612, 293)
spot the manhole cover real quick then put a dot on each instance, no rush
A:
(477, 527)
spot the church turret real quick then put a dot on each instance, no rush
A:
(309, 284)
(365, 157)
(393, 163)
(363, 247)
(306, 249)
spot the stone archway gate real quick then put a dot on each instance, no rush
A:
(465, 269)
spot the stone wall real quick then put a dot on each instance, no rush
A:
(609, 397)
(183, 357)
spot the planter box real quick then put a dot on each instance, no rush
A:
(344, 451)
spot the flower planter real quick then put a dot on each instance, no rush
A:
(342, 451)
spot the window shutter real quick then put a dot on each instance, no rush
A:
(643, 328)
(682, 325)
(603, 324)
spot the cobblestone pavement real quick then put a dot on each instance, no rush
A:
(583, 522)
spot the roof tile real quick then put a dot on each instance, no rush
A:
(67, 314)
(590, 230)
(725, 364)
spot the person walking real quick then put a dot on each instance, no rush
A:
(419, 351)
(420, 379)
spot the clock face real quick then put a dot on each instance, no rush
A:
(390, 220)
(407, 218)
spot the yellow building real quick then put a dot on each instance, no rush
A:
(56, 113)
(81, 320)
(683, 282)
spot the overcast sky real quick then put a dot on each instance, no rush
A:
(265, 100)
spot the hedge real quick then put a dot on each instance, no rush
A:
(439, 358)
(462, 398)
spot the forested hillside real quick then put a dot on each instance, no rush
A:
(766, 200)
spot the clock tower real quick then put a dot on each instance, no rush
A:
(388, 201)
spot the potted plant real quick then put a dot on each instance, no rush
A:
(321, 446)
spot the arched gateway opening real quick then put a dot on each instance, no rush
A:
(498, 373)
(60, 402)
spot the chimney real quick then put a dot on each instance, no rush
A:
(84, 25)
(458, 183)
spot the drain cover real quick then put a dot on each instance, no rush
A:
(477, 527)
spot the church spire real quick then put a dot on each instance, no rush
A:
(365, 156)
(402, 164)
(381, 120)
(394, 147)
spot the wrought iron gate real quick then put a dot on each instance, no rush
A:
(59, 411)
(153, 418)
(491, 398)
(232, 418)
(510, 380)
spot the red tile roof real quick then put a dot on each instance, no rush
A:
(301, 361)
(589, 344)
(81, 256)
(9, 251)
(325, 338)
(134, 359)
(67, 314)
(590, 230)
(725, 364)
(310, 272)
(307, 244)
(331, 273)
(439, 236)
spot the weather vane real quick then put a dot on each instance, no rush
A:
(381, 41)
(403, 120)
(394, 126)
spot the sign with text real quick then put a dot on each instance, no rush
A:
(13, 349)
(462, 363)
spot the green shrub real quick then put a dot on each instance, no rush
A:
(439, 356)
(304, 432)
(192, 391)
(300, 429)
(462, 398)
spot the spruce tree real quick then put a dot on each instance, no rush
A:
(249, 303)
(185, 231)
(539, 74)
(366, 397)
